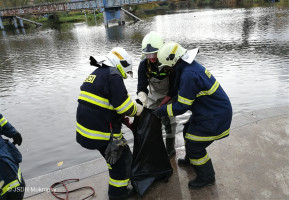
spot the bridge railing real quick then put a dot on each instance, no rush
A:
(69, 6)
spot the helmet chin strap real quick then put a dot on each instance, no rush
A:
(120, 69)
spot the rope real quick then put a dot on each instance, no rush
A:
(54, 193)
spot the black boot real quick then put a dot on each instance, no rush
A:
(199, 183)
(184, 161)
(205, 175)
(170, 146)
(129, 193)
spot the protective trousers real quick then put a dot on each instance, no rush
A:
(14, 185)
(198, 157)
(119, 173)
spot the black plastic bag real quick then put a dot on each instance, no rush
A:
(150, 159)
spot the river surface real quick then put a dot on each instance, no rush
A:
(246, 49)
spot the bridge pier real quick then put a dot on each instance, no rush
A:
(15, 22)
(111, 14)
(21, 25)
(1, 24)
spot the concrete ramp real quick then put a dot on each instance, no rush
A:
(252, 163)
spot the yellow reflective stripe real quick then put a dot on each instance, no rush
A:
(210, 138)
(208, 73)
(134, 110)
(94, 99)
(210, 91)
(170, 110)
(185, 100)
(117, 55)
(175, 49)
(200, 161)
(127, 104)
(225, 133)
(19, 175)
(108, 165)
(10, 186)
(3, 121)
(117, 135)
(118, 183)
(92, 134)
(161, 74)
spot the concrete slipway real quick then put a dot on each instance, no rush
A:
(252, 163)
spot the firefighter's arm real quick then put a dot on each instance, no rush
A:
(189, 87)
(120, 99)
(9, 131)
(142, 81)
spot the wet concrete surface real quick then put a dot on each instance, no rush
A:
(252, 163)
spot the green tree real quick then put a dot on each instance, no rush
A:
(13, 3)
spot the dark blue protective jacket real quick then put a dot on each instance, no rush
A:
(201, 93)
(8, 152)
(103, 101)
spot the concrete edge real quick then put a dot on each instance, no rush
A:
(42, 183)
(84, 170)
(258, 115)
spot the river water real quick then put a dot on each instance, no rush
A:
(246, 49)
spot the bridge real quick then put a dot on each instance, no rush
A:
(112, 9)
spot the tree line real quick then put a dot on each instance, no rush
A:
(16, 3)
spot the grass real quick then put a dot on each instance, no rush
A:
(71, 17)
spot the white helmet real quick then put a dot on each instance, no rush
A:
(170, 53)
(152, 43)
(119, 58)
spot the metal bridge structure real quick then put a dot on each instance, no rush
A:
(112, 9)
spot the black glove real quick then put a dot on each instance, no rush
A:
(138, 101)
(114, 150)
(17, 139)
(157, 112)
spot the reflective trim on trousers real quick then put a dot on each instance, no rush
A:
(12, 184)
(209, 138)
(118, 183)
(200, 161)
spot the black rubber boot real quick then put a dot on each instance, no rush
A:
(170, 146)
(205, 175)
(129, 193)
(184, 161)
(199, 183)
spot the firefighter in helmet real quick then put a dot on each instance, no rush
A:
(202, 94)
(155, 85)
(102, 103)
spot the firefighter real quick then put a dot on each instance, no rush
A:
(12, 185)
(102, 104)
(160, 82)
(201, 93)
